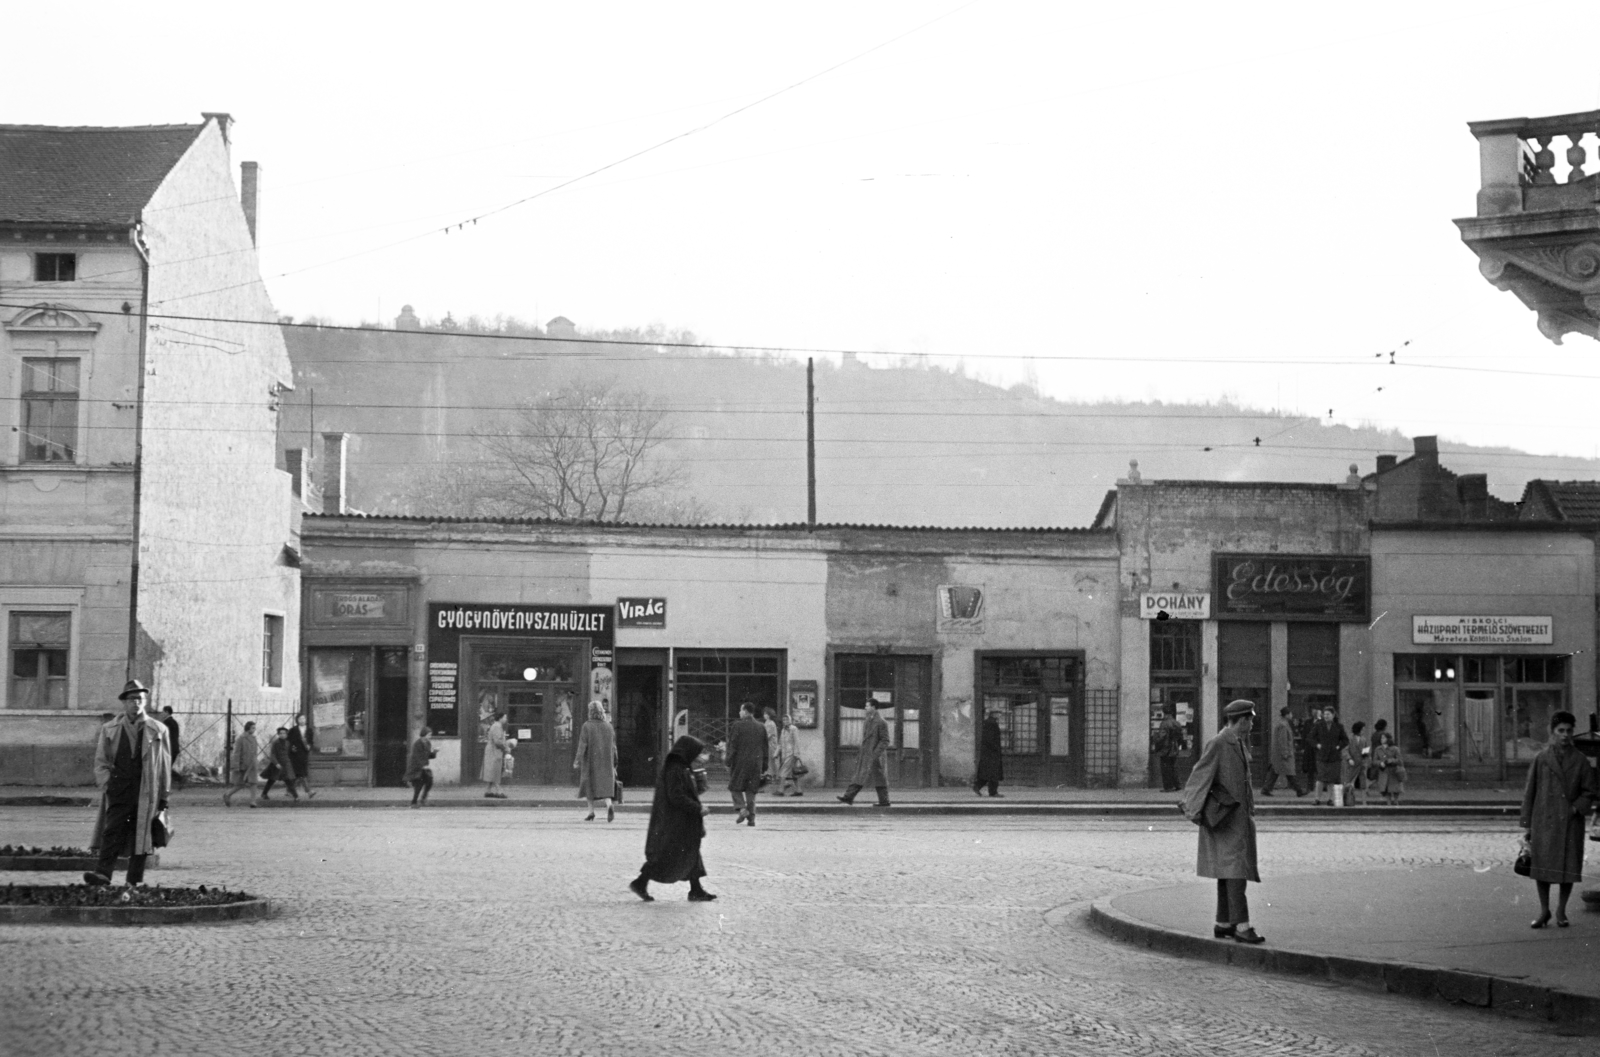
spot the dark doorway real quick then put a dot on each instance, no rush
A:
(390, 722)
(639, 727)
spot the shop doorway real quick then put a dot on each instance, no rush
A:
(640, 731)
(711, 686)
(898, 687)
(1183, 704)
(391, 719)
(537, 683)
(1039, 699)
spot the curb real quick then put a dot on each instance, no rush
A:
(1500, 995)
(76, 863)
(28, 915)
(1129, 811)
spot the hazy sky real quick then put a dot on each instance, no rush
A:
(1127, 194)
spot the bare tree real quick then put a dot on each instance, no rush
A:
(585, 452)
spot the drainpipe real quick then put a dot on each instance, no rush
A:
(137, 239)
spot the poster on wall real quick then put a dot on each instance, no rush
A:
(803, 702)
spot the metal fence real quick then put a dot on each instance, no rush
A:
(1102, 733)
(207, 729)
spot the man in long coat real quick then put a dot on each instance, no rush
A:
(1560, 794)
(747, 761)
(1280, 756)
(133, 768)
(991, 759)
(1218, 798)
(871, 761)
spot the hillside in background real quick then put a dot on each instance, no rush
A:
(905, 444)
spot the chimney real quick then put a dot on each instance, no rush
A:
(1386, 463)
(333, 473)
(1425, 445)
(1473, 490)
(249, 188)
(294, 460)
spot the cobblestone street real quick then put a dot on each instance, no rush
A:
(474, 931)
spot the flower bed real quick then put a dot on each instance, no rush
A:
(119, 905)
(22, 857)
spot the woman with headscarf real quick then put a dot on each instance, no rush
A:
(677, 826)
(1560, 793)
(596, 761)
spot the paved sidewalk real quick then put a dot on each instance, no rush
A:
(1459, 934)
(944, 800)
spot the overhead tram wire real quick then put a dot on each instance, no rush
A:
(473, 220)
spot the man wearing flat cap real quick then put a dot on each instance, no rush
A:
(1218, 799)
(133, 768)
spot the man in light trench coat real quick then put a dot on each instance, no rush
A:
(1218, 798)
(133, 768)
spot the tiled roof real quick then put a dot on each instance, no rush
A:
(1571, 500)
(89, 176)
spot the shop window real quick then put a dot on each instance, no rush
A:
(39, 644)
(1536, 669)
(1481, 670)
(49, 410)
(272, 651)
(1174, 646)
(1035, 697)
(55, 267)
(712, 685)
(340, 697)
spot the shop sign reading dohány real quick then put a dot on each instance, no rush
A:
(1292, 586)
(1482, 631)
(1175, 605)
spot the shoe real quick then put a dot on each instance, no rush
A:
(882, 805)
(96, 880)
(995, 796)
(502, 796)
(252, 803)
(1302, 792)
(1562, 923)
(751, 821)
(701, 897)
(310, 795)
(589, 817)
(1538, 923)
(640, 887)
(610, 813)
(798, 793)
(488, 795)
(227, 800)
(976, 791)
(1248, 936)
(740, 819)
(415, 805)
(844, 800)
(1265, 793)
(1223, 932)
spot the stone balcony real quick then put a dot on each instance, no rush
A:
(1537, 232)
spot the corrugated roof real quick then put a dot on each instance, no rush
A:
(793, 526)
(85, 176)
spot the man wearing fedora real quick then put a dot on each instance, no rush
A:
(1218, 799)
(133, 768)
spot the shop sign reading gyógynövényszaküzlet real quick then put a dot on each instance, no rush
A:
(1482, 631)
(1334, 587)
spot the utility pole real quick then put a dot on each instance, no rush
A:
(811, 446)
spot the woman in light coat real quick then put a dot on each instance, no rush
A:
(494, 756)
(246, 765)
(596, 761)
(1560, 793)
(788, 756)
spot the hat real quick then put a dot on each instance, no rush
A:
(134, 687)
(1239, 708)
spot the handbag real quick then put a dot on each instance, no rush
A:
(1524, 864)
(799, 770)
(161, 829)
(1372, 772)
(508, 764)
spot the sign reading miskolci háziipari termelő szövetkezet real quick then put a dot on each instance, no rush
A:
(1482, 631)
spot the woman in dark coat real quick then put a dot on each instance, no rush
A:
(677, 826)
(300, 755)
(1561, 792)
(991, 768)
